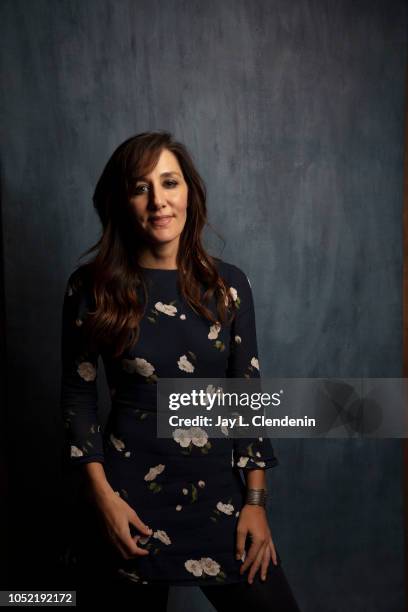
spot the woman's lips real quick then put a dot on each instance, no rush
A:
(162, 222)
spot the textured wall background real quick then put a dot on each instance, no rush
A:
(294, 114)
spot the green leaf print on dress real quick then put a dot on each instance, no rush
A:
(151, 476)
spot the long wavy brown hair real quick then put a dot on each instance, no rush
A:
(114, 274)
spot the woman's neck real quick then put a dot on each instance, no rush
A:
(161, 263)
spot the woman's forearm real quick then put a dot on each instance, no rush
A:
(255, 479)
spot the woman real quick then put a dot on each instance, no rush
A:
(153, 303)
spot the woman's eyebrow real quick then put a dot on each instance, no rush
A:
(169, 173)
(139, 178)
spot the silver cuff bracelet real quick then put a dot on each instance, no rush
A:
(256, 497)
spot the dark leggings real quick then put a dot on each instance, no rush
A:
(273, 595)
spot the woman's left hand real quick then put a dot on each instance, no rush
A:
(253, 522)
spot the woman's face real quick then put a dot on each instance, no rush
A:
(159, 201)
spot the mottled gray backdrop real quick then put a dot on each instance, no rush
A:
(293, 111)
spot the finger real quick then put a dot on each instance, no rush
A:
(139, 524)
(265, 561)
(127, 545)
(130, 544)
(256, 564)
(132, 549)
(117, 546)
(240, 545)
(273, 552)
(251, 555)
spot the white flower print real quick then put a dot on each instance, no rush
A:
(258, 454)
(154, 471)
(139, 365)
(260, 439)
(260, 463)
(185, 491)
(118, 444)
(214, 331)
(224, 430)
(210, 566)
(211, 390)
(78, 322)
(87, 371)
(199, 436)
(162, 536)
(76, 452)
(179, 507)
(242, 461)
(238, 339)
(167, 309)
(255, 363)
(220, 509)
(183, 317)
(194, 436)
(226, 508)
(194, 567)
(182, 437)
(201, 483)
(205, 565)
(184, 364)
(234, 293)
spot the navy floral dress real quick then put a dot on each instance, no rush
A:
(188, 489)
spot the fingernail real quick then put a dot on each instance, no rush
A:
(264, 577)
(238, 556)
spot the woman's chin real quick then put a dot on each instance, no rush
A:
(161, 236)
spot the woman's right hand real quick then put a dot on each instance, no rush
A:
(115, 515)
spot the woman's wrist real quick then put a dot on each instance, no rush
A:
(95, 481)
(255, 478)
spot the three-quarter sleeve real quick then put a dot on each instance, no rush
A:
(248, 453)
(83, 441)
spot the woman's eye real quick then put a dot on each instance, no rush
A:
(139, 188)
